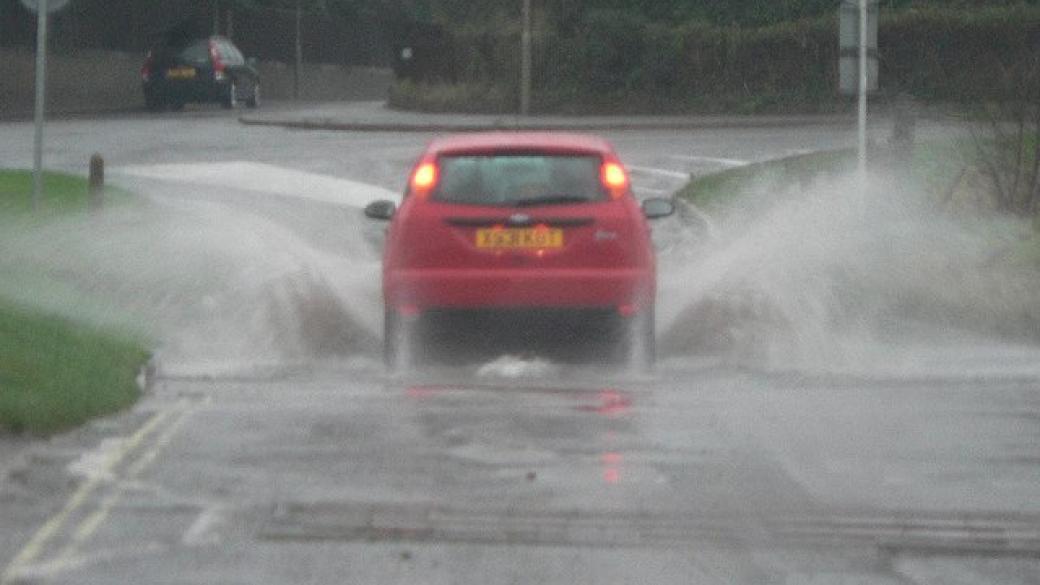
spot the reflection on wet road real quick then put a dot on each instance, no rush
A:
(310, 476)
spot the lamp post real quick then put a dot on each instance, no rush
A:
(42, 8)
(862, 114)
(41, 92)
(298, 53)
(525, 59)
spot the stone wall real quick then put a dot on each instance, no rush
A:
(98, 81)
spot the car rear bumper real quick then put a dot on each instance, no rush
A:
(197, 90)
(624, 290)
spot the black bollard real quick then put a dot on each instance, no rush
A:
(97, 183)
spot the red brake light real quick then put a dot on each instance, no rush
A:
(218, 64)
(614, 179)
(146, 69)
(424, 178)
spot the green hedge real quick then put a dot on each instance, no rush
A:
(615, 60)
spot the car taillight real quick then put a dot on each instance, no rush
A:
(614, 179)
(146, 69)
(218, 64)
(424, 178)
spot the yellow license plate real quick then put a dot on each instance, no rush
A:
(520, 238)
(180, 73)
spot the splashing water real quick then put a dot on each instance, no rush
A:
(806, 282)
(217, 288)
(813, 282)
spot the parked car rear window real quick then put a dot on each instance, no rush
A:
(519, 179)
(229, 54)
(195, 53)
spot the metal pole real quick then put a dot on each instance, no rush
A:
(525, 60)
(299, 54)
(41, 78)
(862, 143)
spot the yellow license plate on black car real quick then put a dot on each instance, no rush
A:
(180, 73)
(520, 238)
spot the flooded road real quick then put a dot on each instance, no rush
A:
(802, 439)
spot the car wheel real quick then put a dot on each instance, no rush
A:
(254, 98)
(152, 102)
(400, 341)
(231, 99)
(640, 343)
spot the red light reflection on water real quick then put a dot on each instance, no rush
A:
(420, 392)
(610, 403)
(612, 461)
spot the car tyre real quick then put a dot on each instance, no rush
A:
(640, 343)
(231, 99)
(152, 102)
(400, 341)
(254, 97)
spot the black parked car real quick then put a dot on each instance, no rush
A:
(199, 70)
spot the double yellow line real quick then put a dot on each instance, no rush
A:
(30, 554)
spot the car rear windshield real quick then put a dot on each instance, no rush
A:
(519, 179)
(197, 52)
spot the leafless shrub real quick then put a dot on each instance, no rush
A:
(1005, 138)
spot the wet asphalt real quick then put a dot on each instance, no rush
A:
(323, 468)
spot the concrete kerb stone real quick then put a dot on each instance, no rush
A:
(574, 124)
(15, 449)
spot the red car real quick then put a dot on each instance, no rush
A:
(524, 224)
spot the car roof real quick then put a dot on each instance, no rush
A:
(177, 40)
(500, 141)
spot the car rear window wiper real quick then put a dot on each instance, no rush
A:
(550, 200)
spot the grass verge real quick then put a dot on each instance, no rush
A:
(62, 194)
(56, 373)
(936, 170)
(718, 190)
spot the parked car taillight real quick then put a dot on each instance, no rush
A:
(146, 69)
(218, 64)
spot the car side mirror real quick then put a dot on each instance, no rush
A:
(657, 207)
(382, 210)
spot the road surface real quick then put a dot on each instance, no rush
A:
(273, 448)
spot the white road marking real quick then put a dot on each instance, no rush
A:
(90, 525)
(47, 569)
(663, 172)
(31, 551)
(729, 162)
(265, 178)
(201, 530)
(25, 564)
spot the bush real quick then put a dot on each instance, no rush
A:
(475, 98)
(615, 61)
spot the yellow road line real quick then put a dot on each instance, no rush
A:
(31, 551)
(89, 526)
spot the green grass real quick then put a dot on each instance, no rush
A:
(719, 190)
(56, 373)
(62, 194)
(933, 170)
